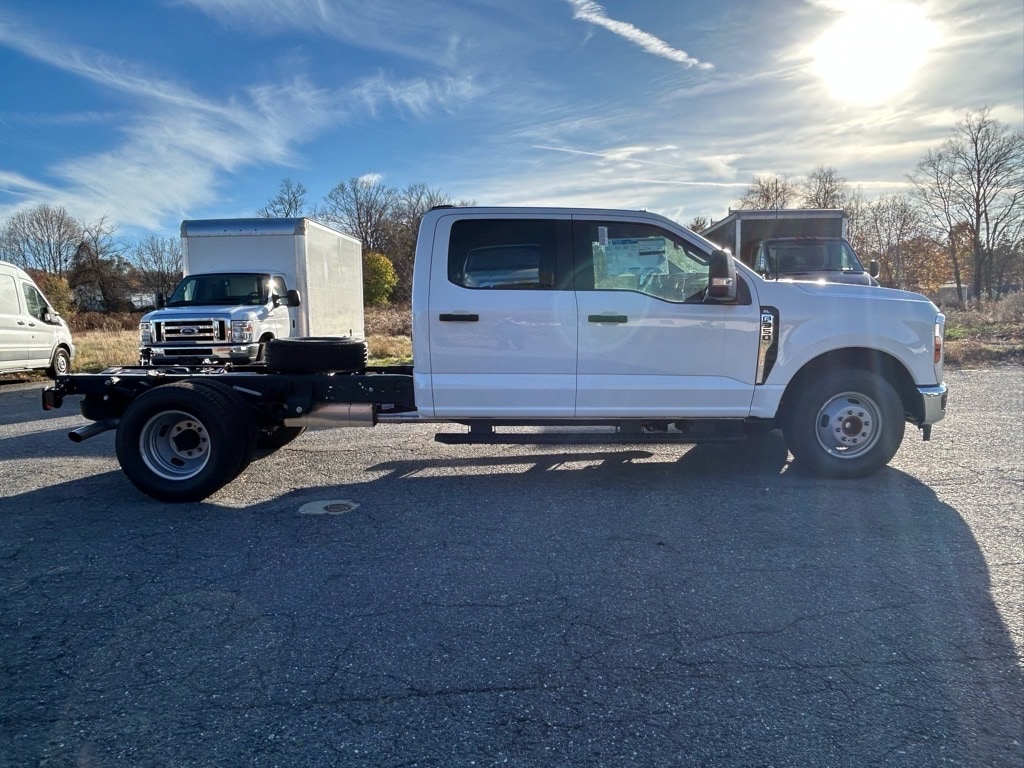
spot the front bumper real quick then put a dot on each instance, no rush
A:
(933, 404)
(240, 354)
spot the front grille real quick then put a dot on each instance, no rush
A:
(200, 331)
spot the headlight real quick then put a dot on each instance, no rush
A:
(241, 331)
(145, 334)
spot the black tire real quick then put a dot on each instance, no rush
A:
(847, 424)
(180, 442)
(261, 351)
(241, 416)
(277, 437)
(60, 364)
(313, 354)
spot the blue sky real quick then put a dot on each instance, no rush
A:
(152, 111)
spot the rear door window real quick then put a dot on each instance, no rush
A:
(510, 254)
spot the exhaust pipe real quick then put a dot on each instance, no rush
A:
(91, 430)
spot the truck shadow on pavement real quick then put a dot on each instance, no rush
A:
(564, 608)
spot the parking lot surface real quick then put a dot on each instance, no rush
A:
(374, 598)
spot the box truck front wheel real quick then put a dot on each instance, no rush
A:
(846, 424)
(182, 442)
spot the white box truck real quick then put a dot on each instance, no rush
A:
(793, 244)
(248, 281)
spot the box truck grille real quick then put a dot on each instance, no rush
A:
(192, 331)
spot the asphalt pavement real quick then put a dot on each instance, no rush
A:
(369, 597)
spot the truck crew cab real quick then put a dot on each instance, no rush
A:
(557, 316)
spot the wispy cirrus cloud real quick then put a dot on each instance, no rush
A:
(592, 13)
(174, 148)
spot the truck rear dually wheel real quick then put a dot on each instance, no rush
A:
(846, 424)
(182, 442)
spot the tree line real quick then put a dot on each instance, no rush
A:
(961, 220)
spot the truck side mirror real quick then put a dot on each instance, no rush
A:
(721, 277)
(873, 268)
(159, 300)
(294, 300)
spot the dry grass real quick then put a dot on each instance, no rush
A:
(988, 335)
(96, 350)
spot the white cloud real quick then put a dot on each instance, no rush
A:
(591, 12)
(422, 30)
(178, 145)
(417, 97)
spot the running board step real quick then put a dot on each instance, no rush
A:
(584, 438)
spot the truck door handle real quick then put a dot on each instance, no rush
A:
(446, 317)
(607, 319)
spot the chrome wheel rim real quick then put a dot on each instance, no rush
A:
(175, 445)
(849, 425)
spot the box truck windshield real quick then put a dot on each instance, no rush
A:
(221, 289)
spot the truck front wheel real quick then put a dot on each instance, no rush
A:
(180, 442)
(847, 424)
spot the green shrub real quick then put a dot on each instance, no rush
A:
(58, 291)
(379, 279)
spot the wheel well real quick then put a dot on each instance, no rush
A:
(885, 365)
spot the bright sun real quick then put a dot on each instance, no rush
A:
(874, 51)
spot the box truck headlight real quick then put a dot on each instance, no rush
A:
(145, 334)
(241, 331)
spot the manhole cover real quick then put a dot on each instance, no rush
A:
(328, 507)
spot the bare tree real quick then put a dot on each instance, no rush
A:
(157, 262)
(769, 192)
(893, 223)
(100, 272)
(289, 201)
(698, 224)
(43, 238)
(403, 228)
(935, 191)
(363, 208)
(977, 178)
(856, 210)
(823, 188)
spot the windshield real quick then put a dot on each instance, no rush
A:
(224, 289)
(790, 257)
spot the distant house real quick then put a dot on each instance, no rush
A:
(143, 300)
(947, 294)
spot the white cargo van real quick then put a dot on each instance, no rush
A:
(32, 334)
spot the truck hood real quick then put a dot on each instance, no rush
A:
(850, 278)
(209, 310)
(860, 292)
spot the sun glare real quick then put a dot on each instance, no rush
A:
(874, 51)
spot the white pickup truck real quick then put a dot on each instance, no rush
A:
(537, 317)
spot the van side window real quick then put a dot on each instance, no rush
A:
(639, 257)
(8, 296)
(509, 254)
(34, 301)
